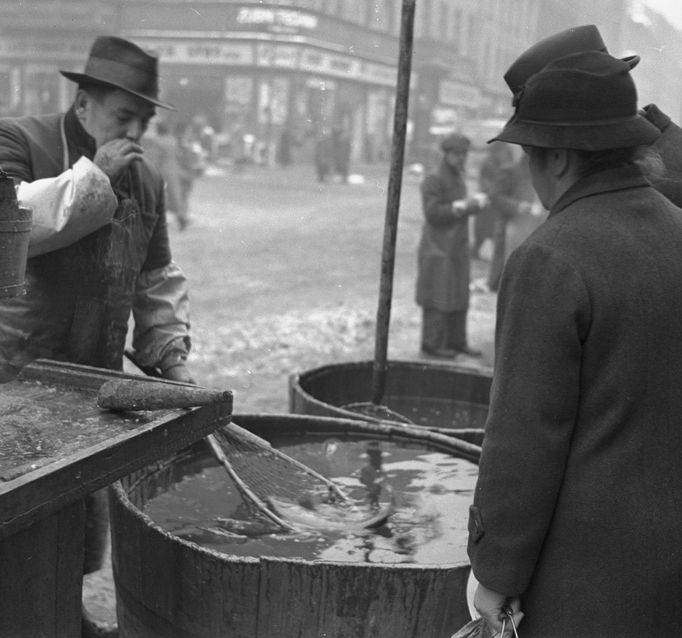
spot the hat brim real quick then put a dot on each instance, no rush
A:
(593, 137)
(84, 77)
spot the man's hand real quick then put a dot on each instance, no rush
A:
(173, 367)
(490, 605)
(179, 373)
(114, 157)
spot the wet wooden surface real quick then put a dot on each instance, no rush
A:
(57, 446)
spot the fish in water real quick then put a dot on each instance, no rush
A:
(323, 516)
(210, 535)
(247, 528)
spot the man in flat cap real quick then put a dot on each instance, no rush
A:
(574, 526)
(443, 259)
(99, 247)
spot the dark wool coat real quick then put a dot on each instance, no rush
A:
(577, 505)
(443, 254)
(79, 298)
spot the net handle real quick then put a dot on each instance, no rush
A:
(241, 486)
(240, 432)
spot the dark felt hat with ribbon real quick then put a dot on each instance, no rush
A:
(585, 101)
(120, 63)
(574, 40)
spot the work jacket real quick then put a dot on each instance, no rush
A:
(443, 255)
(80, 296)
(576, 507)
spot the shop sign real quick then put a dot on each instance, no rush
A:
(379, 73)
(282, 56)
(321, 62)
(199, 52)
(41, 49)
(279, 20)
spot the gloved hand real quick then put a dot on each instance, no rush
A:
(173, 367)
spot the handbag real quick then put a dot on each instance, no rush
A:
(478, 628)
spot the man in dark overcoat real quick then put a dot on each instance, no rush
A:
(575, 522)
(443, 258)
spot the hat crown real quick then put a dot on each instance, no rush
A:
(584, 101)
(122, 64)
(584, 88)
(573, 40)
(123, 51)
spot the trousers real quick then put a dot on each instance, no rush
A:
(444, 329)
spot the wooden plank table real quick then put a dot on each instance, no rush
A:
(56, 447)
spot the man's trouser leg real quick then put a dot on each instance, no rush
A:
(96, 530)
(456, 330)
(433, 329)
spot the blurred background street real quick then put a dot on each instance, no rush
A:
(284, 276)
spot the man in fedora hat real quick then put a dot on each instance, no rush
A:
(574, 526)
(100, 243)
(668, 146)
(443, 259)
(100, 247)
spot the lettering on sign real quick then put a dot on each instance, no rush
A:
(200, 52)
(276, 18)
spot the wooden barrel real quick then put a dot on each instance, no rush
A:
(168, 587)
(437, 396)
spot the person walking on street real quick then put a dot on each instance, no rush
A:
(341, 149)
(162, 151)
(574, 526)
(498, 156)
(511, 196)
(99, 244)
(443, 260)
(323, 155)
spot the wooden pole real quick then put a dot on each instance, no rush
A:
(393, 201)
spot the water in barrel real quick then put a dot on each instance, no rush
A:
(428, 493)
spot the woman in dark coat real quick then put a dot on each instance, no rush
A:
(575, 521)
(443, 255)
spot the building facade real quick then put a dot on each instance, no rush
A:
(304, 67)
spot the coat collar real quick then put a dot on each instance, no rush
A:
(77, 137)
(614, 179)
(448, 170)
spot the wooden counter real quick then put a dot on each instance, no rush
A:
(57, 446)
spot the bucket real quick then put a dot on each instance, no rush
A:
(15, 232)
(444, 398)
(14, 238)
(169, 587)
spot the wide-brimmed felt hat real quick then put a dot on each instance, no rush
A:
(122, 64)
(585, 101)
(574, 40)
(455, 142)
